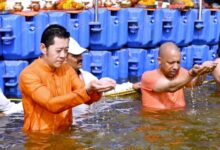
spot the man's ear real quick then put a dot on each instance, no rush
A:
(159, 60)
(43, 48)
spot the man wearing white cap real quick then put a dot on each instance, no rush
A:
(74, 58)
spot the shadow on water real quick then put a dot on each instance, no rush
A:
(121, 123)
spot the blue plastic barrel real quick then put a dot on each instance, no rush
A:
(21, 35)
(185, 28)
(177, 27)
(118, 69)
(60, 18)
(170, 22)
(155, 51)
(1, 47)
(201, 33)
(213, 52)
(200, 53)
(150, 62)
(6, 32)
(155, 18)
(78, 26)
(113, 71)
(186, 57)
(139, 28)
(100, 63)
(214, 33)
(109, 32)
(2, 68)
(87, 59)
(136, 63)
(10, 77)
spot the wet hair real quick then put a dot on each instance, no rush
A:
(53, 31)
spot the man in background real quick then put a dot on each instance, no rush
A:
(75, 60)
(7, 107)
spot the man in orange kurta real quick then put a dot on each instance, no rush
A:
(162, 88)
(50, 87)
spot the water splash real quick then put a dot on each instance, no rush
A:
(193, 98)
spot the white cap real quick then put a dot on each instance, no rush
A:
(75, 48)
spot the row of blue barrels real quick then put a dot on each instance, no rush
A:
(131, 27)
(130, 63)
(122, 65)
(10, 71)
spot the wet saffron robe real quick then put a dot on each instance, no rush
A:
(49, 95)
(160, 100)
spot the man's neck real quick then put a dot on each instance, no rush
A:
(46, 63)
(78, 72)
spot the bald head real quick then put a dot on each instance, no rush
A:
(168, 48)
(169, 59)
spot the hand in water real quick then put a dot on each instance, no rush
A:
(102, 85)
(206, 67)
(195, 70)
(209, 65)
(136, 86)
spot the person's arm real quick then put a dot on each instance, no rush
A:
(31, 86)
(216, 72)
(166, 85)
(137, 86)
(185, 78)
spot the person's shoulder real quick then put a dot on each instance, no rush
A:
(150, 72)
(217, 60)
(87, 74)
(150, 76)
(183, 70)
(67, 69)
(31, 72)
(30, 68)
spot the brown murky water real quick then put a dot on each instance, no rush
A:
(120, 123)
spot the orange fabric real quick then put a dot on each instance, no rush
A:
(48, 96)
(159, 100)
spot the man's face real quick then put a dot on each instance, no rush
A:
(170, 64)
(55, 54)
(75, 61)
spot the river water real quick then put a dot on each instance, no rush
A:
(121, 123)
